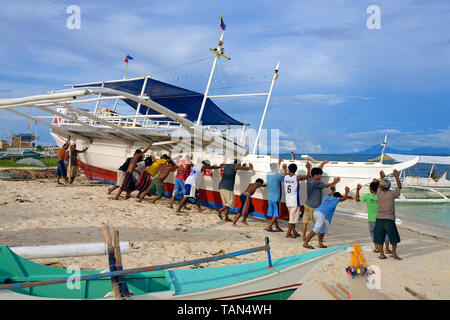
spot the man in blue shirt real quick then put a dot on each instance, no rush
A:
(274, 180)
(325, 211)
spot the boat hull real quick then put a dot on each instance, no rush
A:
(103, 158)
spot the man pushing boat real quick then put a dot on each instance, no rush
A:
(193, 183)
(157, 184)
(128, 184)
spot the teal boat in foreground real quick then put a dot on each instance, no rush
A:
(276, 280)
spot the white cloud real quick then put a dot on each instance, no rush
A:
(287, 145)
(328, 99)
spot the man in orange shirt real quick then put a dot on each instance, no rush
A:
(60, 166)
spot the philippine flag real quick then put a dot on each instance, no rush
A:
(223, 26)
(128, 57)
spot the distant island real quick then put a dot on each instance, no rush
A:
(430, 151)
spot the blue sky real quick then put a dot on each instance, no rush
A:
(341, 86)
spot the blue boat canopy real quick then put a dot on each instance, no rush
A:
(174, 98)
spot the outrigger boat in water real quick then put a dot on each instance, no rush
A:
(265, 280)
(180, 122)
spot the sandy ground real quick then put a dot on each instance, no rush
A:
(40, 212)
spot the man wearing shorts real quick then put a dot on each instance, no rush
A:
(193, 182)
(385, 222)
(324, 212)
(149, 173)
(314, 189)
(371, 201)
(74, 162)
(183, 170)
(246, 201)
(274, 180)
(226, 186)
(157, 184)
(292, 196)
(60, 165)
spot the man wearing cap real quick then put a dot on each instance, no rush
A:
(385, 221)
(274, 181)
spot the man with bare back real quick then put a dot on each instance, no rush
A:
(246, 200)
(128, 184)
(157, 184)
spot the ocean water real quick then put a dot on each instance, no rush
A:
(436, 215)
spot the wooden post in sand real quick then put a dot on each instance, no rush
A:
(124, 292)
(415, 294)
(111, 261)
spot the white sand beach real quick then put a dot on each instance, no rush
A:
(40, 212)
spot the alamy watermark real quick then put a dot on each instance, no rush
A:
(74, 20)
(374, 20)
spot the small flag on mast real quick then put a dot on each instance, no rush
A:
(128, 57)
(223, 26)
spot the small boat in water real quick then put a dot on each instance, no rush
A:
(273, 279)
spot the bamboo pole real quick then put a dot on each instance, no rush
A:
(111, 262)
(134, 270)
(337, 295)
(124, 292)
(415, 294)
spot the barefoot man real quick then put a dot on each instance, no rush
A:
(371, 201)
(157, 184)
(74, 162)
(183, 170)
(128, 184)
(314, 189)
(325, 211)
(121, 172)
(193, 183)
(292, 195)
(246, 201)
(61, 167)
(274, 182)
(226, 186)
(385, 222)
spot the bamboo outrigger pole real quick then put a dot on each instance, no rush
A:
(22, 285)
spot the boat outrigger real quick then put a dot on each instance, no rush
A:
(180, 122)
(273, 279)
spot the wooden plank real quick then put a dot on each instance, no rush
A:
(111, 262)
(123, 287)
(415, 294)
(333, 292)
(344, 289)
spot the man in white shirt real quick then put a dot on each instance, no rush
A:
(292, 196)
(193, 183)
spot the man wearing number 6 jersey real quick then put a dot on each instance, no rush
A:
(292, 195)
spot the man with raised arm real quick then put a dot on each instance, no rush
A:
(274, 181)
(292, 195)
(325, 212)
(226, 186)
(371, 201)
(128, 184)
(314, 189)
(385, 222)
(74, 162)
(193, 183)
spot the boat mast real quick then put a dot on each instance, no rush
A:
(275, 76)
(219, 53)
(384, 146)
